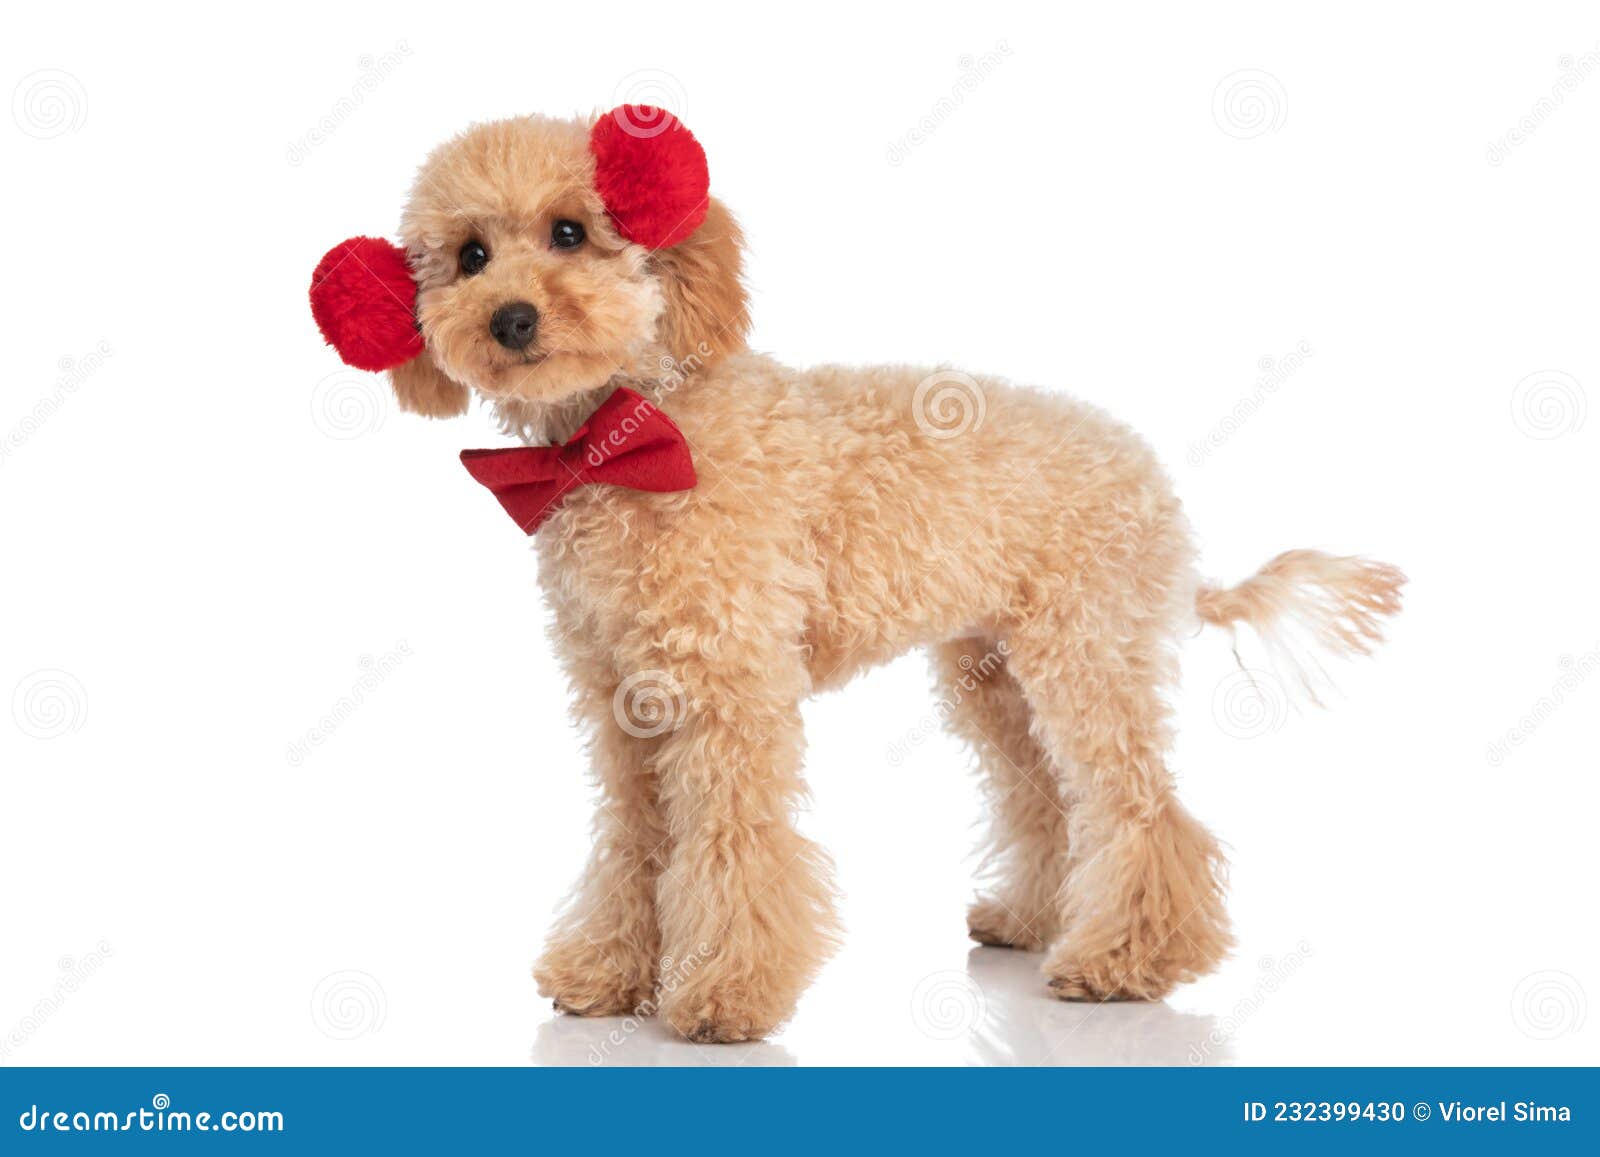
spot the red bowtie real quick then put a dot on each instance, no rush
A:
(626, 442)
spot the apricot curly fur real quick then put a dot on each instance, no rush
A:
(836, 525)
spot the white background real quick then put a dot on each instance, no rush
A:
(209, 526)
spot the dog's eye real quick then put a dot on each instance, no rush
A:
(566, 235)
(473, 257)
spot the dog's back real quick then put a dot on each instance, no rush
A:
(921, 504)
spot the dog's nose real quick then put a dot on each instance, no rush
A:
(513, 325)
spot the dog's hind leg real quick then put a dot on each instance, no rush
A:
(601, 959)
(1141, 909)
(1026, 855)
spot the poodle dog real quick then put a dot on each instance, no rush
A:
(837, 517)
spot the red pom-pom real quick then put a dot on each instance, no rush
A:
(364, 301)
(651, 173)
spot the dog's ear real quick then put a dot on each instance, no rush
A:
(651, 175)
(708, 311)
(421, 387)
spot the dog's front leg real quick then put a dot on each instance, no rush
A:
(745, 902)
(601, 959)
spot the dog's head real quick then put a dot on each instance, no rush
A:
(550, 255)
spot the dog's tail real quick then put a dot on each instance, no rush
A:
(1336, 602)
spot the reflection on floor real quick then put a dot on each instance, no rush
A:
(999, 1013)
(1027, 1026)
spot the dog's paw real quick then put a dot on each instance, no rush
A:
(719, 1032)
(717, 1028)
(1117, 976)
(606, 1004)
(993, 923)
(582, 979)
(712, 1016)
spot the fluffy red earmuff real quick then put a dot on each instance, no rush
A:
(364, 302)
(651, 173)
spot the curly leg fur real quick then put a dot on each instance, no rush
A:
(602, 955)
(1026, 858)
(743, 893)
(1142, 907)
